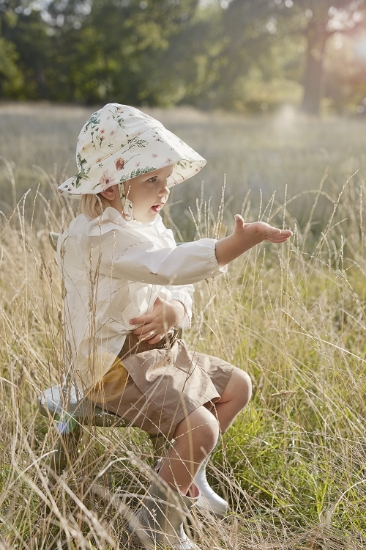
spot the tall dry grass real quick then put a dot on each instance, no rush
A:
(292, 465)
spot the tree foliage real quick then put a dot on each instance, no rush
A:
(318, 21)
(235, 55)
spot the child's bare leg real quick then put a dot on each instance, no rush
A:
(196, 436)
(236, 396)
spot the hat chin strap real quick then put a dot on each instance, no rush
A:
(127, 206)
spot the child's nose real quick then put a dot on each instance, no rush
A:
(164, 189)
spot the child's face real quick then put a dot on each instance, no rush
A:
(148, 193)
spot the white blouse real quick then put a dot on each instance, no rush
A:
(113, 271)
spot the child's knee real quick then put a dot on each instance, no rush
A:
(211, 430)
(201, 427)
(247, 386)
(206, 426)
(241, 386)
(207, 431)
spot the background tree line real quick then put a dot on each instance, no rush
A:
(247, 55)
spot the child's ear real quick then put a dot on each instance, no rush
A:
(109, 193)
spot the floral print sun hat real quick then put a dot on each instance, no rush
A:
(119, 142)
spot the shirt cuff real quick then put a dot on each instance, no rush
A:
(186, 300)
(213, 260)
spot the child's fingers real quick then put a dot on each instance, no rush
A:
(142, 320)
(239, 222)
(135, 321)
(156, 339)
(146, 337)
(150, 330)
(152, 337)
(280, 236)
(144, 330)
(148, 317)
(284, 234)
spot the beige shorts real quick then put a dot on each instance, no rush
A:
(165, 385)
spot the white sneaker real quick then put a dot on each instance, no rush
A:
(208, 499)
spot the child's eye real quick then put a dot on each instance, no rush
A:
(153, 179)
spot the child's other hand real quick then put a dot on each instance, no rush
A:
(156, 323)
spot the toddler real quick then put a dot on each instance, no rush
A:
(127, 287)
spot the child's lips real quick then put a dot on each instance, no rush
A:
(157, 207)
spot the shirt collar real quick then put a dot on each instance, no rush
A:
(112, 216)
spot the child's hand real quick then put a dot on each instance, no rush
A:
(260, 231)
(245, 236)
(156, 323)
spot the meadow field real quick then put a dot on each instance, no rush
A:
(293, 465)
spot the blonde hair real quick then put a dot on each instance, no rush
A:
(93, 206)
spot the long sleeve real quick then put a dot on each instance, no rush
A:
(126, 255)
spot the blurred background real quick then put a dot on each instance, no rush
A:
(271, 92)
(244, 55)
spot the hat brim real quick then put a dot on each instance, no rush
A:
(132, 160)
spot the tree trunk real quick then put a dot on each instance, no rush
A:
(317, 37)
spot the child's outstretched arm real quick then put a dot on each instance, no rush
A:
(245, 236)
(123, 253)
(167, 314)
